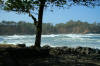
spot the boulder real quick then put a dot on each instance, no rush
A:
(21, 45)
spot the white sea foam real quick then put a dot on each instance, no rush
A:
(19, 36)
(77, 35)
(15, 37)
(51, 35)
(70, 40)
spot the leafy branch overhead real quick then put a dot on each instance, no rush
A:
(26, 5)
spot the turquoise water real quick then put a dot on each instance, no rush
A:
(70, 40)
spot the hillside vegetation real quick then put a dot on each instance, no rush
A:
(10, 28)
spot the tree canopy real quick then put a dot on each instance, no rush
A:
(29, 5)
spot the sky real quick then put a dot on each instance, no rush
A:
(59, 15)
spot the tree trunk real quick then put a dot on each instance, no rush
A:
(39, 25)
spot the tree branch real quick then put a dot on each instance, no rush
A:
(35, 20)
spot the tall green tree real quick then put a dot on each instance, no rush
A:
(30, 6)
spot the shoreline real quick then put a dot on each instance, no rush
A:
(49, 34)
(14, 45)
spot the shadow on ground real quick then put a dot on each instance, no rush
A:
(49, 56)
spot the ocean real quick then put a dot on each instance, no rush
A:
(55, 40)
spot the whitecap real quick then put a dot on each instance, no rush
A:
(51, 35)
(77, 35)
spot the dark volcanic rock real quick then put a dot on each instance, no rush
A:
(21, 45)
(49, 56)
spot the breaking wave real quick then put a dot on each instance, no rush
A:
(71, 40)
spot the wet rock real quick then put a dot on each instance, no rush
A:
(49, 56)
(46, 47)
(54, 51)
(21, 45)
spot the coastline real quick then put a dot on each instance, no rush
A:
(70, 40)
(47, 34)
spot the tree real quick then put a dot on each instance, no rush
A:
(29, 6)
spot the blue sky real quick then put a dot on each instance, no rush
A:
(58, 15)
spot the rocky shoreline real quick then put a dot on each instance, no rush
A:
(20, 55)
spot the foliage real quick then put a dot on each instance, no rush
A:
(10, 28)
(16, 28)
(29, 5)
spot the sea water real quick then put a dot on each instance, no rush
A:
(58, 40)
